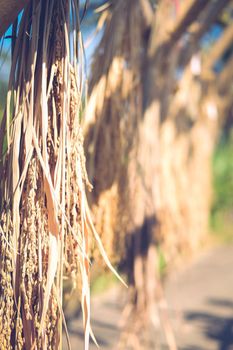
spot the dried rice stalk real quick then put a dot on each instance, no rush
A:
(45, 220)
(123, 162)
(113, 117)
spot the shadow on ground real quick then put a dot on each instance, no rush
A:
(214, 326)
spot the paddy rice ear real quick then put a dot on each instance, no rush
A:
(45, 222)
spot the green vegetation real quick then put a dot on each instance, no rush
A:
(221, 219)
(162, 263)
(3, 89)
(103, 282)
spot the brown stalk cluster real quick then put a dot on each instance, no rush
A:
(45, 221)
(113, 118)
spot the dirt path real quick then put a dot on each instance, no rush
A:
(200, 302)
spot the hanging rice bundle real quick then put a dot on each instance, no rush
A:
(184, 220)
(113, 115)
(45, 221)
(123, 163)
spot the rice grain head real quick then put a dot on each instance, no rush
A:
(45, 221)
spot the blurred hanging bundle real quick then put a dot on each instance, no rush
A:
(112, 122)
(45, 221)
(144, 137)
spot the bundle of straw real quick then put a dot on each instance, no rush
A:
(45, 220)
(113, 117)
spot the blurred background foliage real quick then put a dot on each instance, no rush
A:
(221, 216)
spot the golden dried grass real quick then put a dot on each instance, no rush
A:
(45, 221)
(113, 116)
